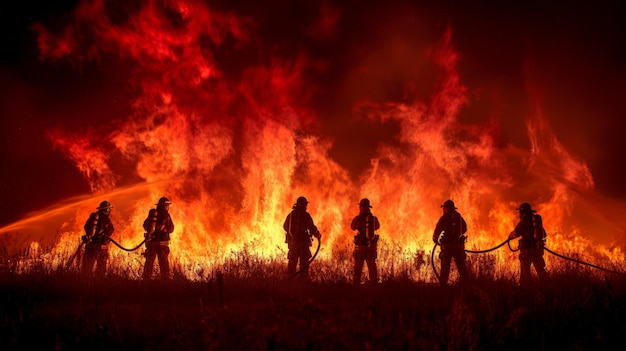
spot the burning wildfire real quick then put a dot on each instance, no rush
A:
(223, 125)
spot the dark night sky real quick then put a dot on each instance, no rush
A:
(573, 52)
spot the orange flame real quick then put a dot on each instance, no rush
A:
(234, 150)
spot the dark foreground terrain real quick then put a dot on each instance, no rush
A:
(63, 312)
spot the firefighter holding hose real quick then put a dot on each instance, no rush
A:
(450, 234)
(299, 228)
(531, 245)
(158, 226)
(98, 228)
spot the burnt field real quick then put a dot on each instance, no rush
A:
(62, 311)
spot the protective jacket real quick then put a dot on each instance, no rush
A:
(158, 225)
(299, 227)
(453, 226)
(530, 228)
(97, 228)
(366, 224)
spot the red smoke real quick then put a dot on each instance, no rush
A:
(232, 125)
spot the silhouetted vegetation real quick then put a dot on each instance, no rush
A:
(232, 309)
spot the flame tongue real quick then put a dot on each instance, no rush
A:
(233, 141)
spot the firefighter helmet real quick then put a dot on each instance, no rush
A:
(302, 201)
(365, 203)
(449, 204)
(164, 201)
(104, 205)
(525, 208)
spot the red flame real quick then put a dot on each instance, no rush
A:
(224, 128)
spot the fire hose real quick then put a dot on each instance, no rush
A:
(319, 244)
(82, 243)
(69, 262)
(492, 249)
(508, 241)
(123, 248)
(582, 262)
(432, 255)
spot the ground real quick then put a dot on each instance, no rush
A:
(65, 312)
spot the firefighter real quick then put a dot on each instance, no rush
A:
(365, 242)
(299, 228)
(98, 228)
(158, 226)
(533, 235)
(450, 234)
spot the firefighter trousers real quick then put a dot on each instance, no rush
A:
(298, 254)
(365, 254)
(532, 256)
(98, 255)
(154, 250)
(448, 252)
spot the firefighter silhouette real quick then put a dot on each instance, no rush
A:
(450, 234)
(365, 242)
(158, 226)
(530, 229)
(98, 228)
(299, 228)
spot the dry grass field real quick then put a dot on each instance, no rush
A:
(235, 310)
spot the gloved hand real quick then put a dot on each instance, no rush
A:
(513, 235)
(318, 235)
(84, 238)
(435, 239)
